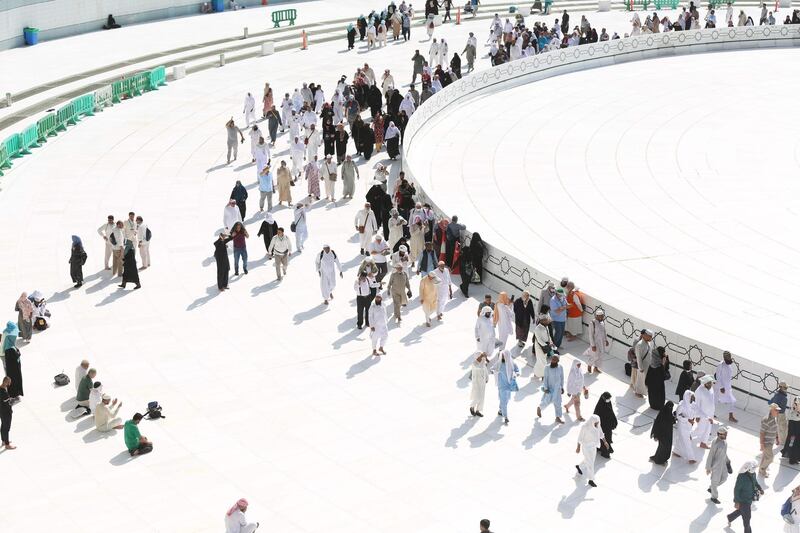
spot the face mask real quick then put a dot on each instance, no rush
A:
(553, 365)
(487, 315)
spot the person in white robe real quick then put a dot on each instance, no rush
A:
(249, 109)
(503, 318)
(235, 520)
(589, 439)
(636, 23)
(484, 331)
(387, 81)
(717, 463)
(319, 100)
(327, 265)
(479, 376)
(704, 396)
(308, 118)
(313, 142)
(417, 231)
(298, 150)
(366, 226)
(327, 171)
(598, 341)
(231, 215)
(297, 101)
(407, 105)
(301, 226)
(95, 396)
(444, 289)
(255, 134)
(401, 257)
(576, 387)
(436, 84)
(307, 95)
(379, 330)
(396, 223)
(724, 386)
(644, 350)
(337, 104)
(685, 415)
(286, 111)
(433, 53)
(542, 345)
(444, 53)
(261, 155)
(294, 125)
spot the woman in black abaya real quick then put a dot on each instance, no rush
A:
(608, 422)
(662, 432)
(130, 272)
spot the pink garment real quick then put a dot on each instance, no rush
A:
(239, 504)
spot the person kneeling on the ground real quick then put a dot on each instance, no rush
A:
(84, 390)
(235, 521)
(111, 24)
(104, 414)
(134, 441)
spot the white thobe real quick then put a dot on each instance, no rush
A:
(541, 336)
(297, 150)
(597, 342)
(704, 400)
(231, 216)
(366, 218)
(327, 263)
(286, 112)
(442, 289)
(312, 148)
(254, 135)
(297, 101)
(505, 322)
(319, 101)
(249, 109)
(443, 53)
(395, 230)
(683, 444)
(377, 320)
(294, 126)
(724, 375)
(261, 156)
(484, 335)
(327, 172)
(237, 523)
(589, 439)
(433, 54)
(480, 377)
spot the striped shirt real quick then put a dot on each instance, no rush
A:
(769, 428)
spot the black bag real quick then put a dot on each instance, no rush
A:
(728, 466)
(148, 235)
(61, 379)
(154, 411)
(628, 369)
(113, 239)
(293, 227)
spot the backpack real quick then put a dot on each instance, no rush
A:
(148, 234)
(786, 511)
(154, 411)
(61, 379)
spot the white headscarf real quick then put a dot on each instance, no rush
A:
(749, 466)
(590, 435)
(507, 366)
(268, 217)
(436, 85)
(575, 379)
(391, 132)
(685, 407)
(299, 145)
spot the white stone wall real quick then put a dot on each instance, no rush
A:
(502, 271)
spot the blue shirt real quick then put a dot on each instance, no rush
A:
(553, 379)
(265, 182)
(781, 399)
(555, 303)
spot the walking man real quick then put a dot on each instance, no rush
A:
(105, 232)
(143, 235)
(768, 437)
(117, 239)
(553, 387)
(279, 249)
(327, 264)
(379, 330)
(717, 463)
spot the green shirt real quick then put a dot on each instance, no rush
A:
(84, 387)
(745, 489)
(132, 435)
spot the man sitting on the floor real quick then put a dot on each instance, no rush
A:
(84, 390)
(111, 23)
(134, 441)
(104, 420)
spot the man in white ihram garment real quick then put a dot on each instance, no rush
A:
(433, 54)
(379, 330)
(319, 100)
(444, 290)
(589, 439)
(327, 171)
(312, 143)
(598, 341)
(249, 109)
(366, 225)
(542, 344)
(704, 399)
(484, 331)
(327, 264)
(724, 389)
(255, 134)
(236, 522)
(231, 215)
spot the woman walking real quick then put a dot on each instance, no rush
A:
(130, 273)
(662, 432)
(392, 138)
(24, 308)
(13, 364)
(608, 423)
(589, 440)
(77, 259)
(480, 377)
(5, 413)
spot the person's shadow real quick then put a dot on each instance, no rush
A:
(700, 523)
(568, 504)
(490, 434)
(314, 312)
(460, 431)
(362, 366)
(255, 291)
(121, 458)
(94, 435)
(114, 296)
(211, 292)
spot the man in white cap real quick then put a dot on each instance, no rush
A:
(704, 396)
(484, 331)
(399, 289)
(366, 225)
(327, 264)
(428, 296)
(379, 330)
(235, 521)
(717, 463)
(768, 437)
(104, 414)
(724, 388)
(327, 171)
(445, 289)
(379, 251)
(598, 341)
(401, 257)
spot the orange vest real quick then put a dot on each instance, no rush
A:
(572, 310)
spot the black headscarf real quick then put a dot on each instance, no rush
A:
(662, 427)
(603, 409)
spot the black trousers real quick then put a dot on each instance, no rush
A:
(745, 512)
(383, 268)
(222, 277)
(5, 427)
(362, 309)
(449, 250)
(242, 208)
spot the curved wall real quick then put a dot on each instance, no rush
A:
(505, 272)
(62, 18)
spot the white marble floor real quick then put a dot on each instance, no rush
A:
(653, 184)
(268, 394)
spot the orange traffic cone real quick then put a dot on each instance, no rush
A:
(305, 41)
(458, 15)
